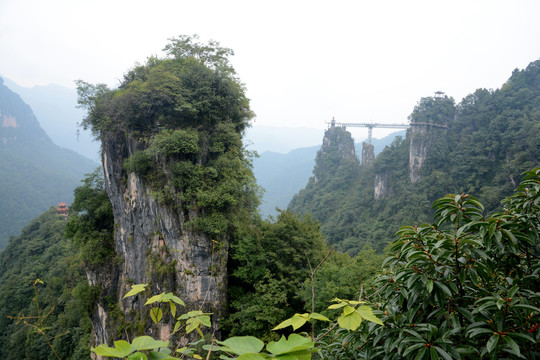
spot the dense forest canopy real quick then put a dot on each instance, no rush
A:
(42, 252)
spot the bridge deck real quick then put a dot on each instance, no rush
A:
(370, 126)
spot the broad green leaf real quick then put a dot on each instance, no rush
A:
(154, 355)
(135, 289)
(492, 342)
(354, 302)
(156, 314)
(283, 324)
(433, 354)
(137, 356)
(192, 326)
(318, 316)
(337, 306)
(348, 310)
(191, 314)
(351, 321)
(253, 356)
(154, 299)
(122, 346)
(147, 343)
(121, 349)
(205, 320)
(173, 308)
(367, 313)
(294, 343)
(296, 322)
(177, 300)
(170, 297)
(240, 345)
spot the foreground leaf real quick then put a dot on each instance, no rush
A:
(147, 343)
(240, 345)
(121, 349)
(135, 289)
(294, 343)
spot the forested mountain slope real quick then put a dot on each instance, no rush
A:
(42, 252)
(34, 172)
(479, 146)
(283, 175)
(55, 107)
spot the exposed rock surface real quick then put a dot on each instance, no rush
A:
(422, 139)
(155, 246)
(381, 186)
(368, 154)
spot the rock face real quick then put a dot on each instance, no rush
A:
(368, 154)
(422, 140)
(337, 150)
(381, 186)
(418, 148)
(154, 246)
(429, 123)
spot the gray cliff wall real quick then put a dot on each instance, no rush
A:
(381, 186)
(368, 154)
(154, 246)
(422, 140)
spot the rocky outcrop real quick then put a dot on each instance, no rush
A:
(422, 139)
(155, 245)
(418, 148)
(381, 185)
(337, 150)
(368, 154)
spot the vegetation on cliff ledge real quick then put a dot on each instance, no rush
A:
(188, 112)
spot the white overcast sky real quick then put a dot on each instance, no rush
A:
(302, 61)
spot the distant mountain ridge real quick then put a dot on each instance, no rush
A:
(35, 174)
(55, 107)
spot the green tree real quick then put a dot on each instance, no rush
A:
(91, 223)
(268, 266)
(465, 287)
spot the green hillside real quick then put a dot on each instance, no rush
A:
(42, 252)
(283, 175)
(35, 174)
(492, 136)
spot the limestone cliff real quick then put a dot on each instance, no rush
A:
(179, 182)
(337, 150)
(381, 186)
(155, 246)
(429, 122)
(368, 154)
